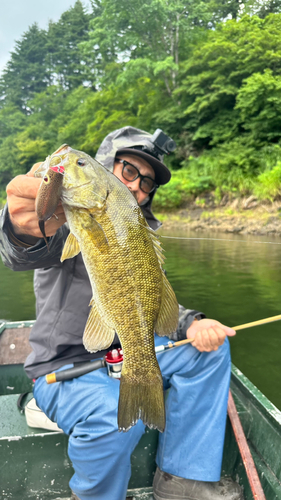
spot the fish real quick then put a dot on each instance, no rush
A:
(131, 293)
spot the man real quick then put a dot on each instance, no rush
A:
(190, 449)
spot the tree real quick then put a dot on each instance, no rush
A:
(215, 72)
(26, 72)
(65, 61)
(259, 105)
(213, 86)
(157, 30)
(264, 8)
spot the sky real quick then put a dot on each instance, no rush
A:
(17, 15)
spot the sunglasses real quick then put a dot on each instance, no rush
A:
(131, 173)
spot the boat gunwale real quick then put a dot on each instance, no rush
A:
(260, 401)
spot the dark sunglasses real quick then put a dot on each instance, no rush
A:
(131, 173)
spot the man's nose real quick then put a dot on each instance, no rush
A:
(134, 185)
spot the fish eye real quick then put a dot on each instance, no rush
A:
(46, 179)
(81, 162)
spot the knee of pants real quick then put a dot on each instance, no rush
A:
(187, 362)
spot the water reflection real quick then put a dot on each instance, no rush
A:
(236, 281)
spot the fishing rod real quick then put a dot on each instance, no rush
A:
(165, 347)
(218, 239)
(113, 359)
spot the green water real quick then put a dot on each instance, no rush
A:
(17, 302)
(235, 281)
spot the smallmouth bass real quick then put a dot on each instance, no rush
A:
(123, 258)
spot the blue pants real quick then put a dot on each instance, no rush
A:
(191, 445)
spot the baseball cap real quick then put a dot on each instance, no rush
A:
(130, 140)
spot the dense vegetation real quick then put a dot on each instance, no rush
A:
(207, 72)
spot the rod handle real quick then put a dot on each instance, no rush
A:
(74, 372)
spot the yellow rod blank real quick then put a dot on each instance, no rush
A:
(259, 322)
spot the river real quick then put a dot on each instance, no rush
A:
(235, 279)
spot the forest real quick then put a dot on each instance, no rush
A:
(206, 72)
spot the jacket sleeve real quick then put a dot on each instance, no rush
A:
(186, 317)
(25, 258)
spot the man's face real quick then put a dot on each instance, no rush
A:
(144, 169)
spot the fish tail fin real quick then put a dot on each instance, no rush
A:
(141, 399)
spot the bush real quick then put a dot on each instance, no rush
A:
(168, 196)
(229, 167)
(182, 186)
(268, 184)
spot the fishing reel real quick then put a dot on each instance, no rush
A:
(114, 362)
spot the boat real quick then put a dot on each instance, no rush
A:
(34, 463)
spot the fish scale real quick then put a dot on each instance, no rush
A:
(131, 294)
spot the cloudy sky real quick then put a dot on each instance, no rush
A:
(17, 15)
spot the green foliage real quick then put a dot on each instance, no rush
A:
(268, 184)
(64, 57)
(259, 103)
(231, 167)
(12, 120)
(183, 185)
(214, 87)
(208, 73)
(168, 196)
(9, 161)
(25, 73)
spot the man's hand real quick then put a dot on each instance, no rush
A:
(209, 334)
(21, 195)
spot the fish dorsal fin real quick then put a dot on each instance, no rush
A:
(168, 316)
(71, 248)
(158, 250)
(98, 335)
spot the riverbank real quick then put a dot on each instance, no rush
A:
(240, 216)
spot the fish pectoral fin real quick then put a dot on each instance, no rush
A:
(168, 316)
(71, 248)
(96, 232)
(98, 335)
